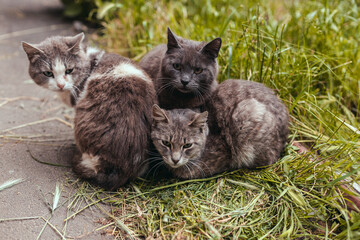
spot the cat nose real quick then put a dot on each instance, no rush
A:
(175, 161)
(175, 156)
(185, 82)
(60, 85)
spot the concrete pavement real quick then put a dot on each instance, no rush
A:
(33, 118)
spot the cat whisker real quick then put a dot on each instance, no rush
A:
(153, 154)
(167, 86)
(76, 88)
(155, 167)
(150, 161)
(199, 96)
(201, 170)
(164, 78)
(151, 151)
(74, 93)
(203, 165)
(151, 158)
(190, 172)
(164, 87)
(205, 91)
(172, 89)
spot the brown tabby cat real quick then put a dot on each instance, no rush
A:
(184, 71)
(113, 123)
(181, 137)
(249, 129)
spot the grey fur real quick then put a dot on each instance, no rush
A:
(248, 129)
(113, 122)
(72, 54)
(208, 154)
(184, 87)
(112, 98)
(252, 120)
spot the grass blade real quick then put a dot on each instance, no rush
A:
(57, 195)
(10, 183)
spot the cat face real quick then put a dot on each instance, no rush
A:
(179, 135)
(58, 63)
(189, 67)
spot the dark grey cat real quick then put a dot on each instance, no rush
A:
(112, 111)
(62, 64)
(249, 129)
(184, 71)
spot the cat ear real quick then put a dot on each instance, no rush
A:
(172, 40)
(159, 115)
(199, 120)
(31, 50)
(212, 48)
(74, 43)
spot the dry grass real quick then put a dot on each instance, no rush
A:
(308, 52)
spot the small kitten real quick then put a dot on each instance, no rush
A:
(62, 64)
(113, 123)
(252, 120)
(181, 137)
(184, 71)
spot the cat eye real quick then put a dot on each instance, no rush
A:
(177, 66)
(187, 145)
(166, 143)
(68, 71)
(48, 74)
(198, 70)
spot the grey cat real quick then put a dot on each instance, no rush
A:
(248, 129)
(181, 137)
(252, 120)
(113, 107)
(62, 64)
(184, 71)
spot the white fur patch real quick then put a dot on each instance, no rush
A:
(256, 113)
(59, 75)
(89, 161)
(259, 109)
(58, 69)
(247, 156)
(91, 50)
(128, 70)
(121, 71)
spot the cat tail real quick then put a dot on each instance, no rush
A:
(99, 172)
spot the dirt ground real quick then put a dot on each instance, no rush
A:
(36, 121)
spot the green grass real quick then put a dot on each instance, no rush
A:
(309, 52)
